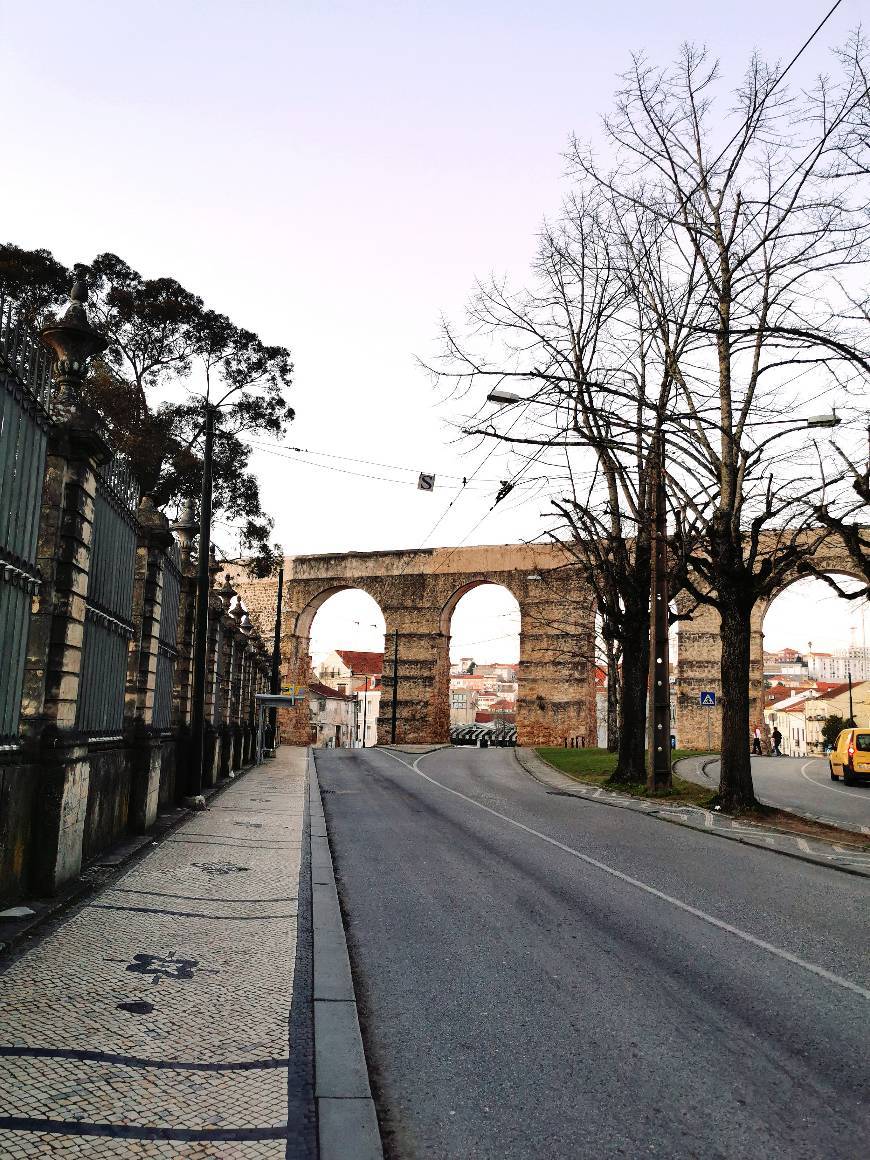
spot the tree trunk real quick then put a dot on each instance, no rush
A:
(631, 763)
(613, 698)
(736, 791)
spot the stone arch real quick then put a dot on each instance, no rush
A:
(446, 621)
(463, 590)
(302, 603)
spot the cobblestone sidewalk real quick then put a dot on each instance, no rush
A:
(171, 1015)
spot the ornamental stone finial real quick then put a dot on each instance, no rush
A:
(72, 340)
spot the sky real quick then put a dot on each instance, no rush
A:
(335, 176)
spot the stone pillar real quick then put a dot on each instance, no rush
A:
(54, 653)
(422, 695)
(154, 539)
(556, 676)
(699, 661)
(295, 723)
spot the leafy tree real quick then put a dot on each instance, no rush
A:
(832, 729)
(167, 354)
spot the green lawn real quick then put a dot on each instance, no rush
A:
(594, 767)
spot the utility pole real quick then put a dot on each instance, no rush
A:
(200, 649)
(365, 710)
(395, 685)
(276, 659)
(851, 710)
(659, 717)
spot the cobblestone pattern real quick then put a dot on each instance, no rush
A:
(154, 1022)
(855, 860)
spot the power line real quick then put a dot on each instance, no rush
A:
(284, 453)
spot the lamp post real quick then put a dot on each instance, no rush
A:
(395, 706)
(365, 710)
(197, 710)
(276, 658)
(659, 770)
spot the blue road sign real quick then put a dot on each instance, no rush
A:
(707, 699)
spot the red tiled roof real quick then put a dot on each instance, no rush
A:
(362, 664)
(835, 690)
(316, 689)
(511, 705)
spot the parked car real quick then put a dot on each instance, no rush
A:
(850, 758)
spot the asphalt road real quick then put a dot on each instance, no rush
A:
(542, 976)
(797, 783)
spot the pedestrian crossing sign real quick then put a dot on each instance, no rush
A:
(707, 699)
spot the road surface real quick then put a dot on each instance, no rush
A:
(541, 976)
(796, 783)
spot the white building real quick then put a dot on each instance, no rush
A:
(359, 674)
(838, 664)
(333, 717)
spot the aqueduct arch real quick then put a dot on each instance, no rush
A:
(699, 651)
(417, 591)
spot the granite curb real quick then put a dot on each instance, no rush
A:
(715, 824)
(100, 870)
(347, 1121)
(822, 819)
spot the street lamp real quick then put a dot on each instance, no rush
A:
(194, 798)
(832, 420)
(499, 396)
(276, 658)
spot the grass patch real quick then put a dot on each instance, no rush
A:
(595, 766)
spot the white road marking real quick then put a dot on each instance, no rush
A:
(825, 785)
(744, 935)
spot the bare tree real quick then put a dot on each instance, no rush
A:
(761, 236)
(579, 339)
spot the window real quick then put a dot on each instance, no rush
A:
(862, 742)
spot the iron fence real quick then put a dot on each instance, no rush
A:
(167, 651)
(108, 628)
(25, 384)
(23, 356)
(218, 698)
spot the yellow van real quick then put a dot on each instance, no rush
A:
(850, 758)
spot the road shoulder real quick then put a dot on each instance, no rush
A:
(347, 1121)
(847, 859)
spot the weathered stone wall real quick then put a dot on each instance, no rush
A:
(699, 653)
(417, 592)
(18, 788)
(108, 806)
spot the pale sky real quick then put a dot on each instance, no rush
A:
(335, 176)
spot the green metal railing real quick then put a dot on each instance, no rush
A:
(218, 674)
(167, 651)
(25, 384)
(108, 627)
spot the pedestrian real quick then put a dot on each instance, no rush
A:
(776, 738)
(756, 742)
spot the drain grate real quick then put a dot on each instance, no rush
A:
(212, 868)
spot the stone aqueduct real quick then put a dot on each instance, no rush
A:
(417, 592)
